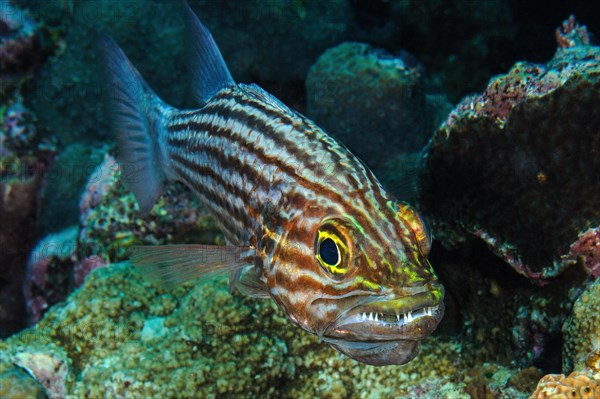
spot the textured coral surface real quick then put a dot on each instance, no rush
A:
(582, 329)
(120, 336)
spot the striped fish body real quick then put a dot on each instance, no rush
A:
(307, 224)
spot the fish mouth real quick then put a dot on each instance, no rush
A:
(382, 332)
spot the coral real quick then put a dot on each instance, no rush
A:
(66, 93)
(48, 364)
(526, 380)
(121, 336)
(535, 324)
(582, 329)
(505, 164)
(48, 275)
(15, 383)
(571, 34)
(577, 385)
(18, 130)
(20, 46)
(383, 111)
(109, 223)
(587, 251)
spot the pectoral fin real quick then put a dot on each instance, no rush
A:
(246, 281)
(175, 264)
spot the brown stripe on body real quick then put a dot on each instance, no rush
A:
(232, 220)
(239, 116)
(215, 190)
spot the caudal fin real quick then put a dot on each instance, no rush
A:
(136, 116)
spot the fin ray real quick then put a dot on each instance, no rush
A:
(247, 283)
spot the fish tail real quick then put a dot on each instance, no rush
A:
(138, 117)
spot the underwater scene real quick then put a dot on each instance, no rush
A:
(299, 199)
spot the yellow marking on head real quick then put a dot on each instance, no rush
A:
(369, 284)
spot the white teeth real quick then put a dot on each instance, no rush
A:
(406, 318)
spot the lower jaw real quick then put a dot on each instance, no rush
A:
(379, 353)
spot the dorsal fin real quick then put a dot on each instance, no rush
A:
(209, 71)
(257, 92)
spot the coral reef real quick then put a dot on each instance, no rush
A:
(582, 329)
(505, 164)
(119, 335)
(570, 34)
(372, 101)
(47, 364)
(110, 220)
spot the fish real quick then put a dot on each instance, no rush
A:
(306, 223)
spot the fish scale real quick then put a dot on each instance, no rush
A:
(281, 190)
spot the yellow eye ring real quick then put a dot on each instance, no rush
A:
(330, 251)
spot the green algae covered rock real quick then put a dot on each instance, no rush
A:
(372, 101)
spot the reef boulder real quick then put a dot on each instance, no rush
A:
(517, 166)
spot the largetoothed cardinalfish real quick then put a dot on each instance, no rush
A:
(306, 222)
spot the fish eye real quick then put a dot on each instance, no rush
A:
(330, 251)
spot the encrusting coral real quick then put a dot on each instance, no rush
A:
(582, 329)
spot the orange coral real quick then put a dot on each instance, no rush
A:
(578, 385)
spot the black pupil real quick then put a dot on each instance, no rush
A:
(329, 252)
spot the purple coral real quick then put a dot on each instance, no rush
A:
(586, 249)
(48, 272)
